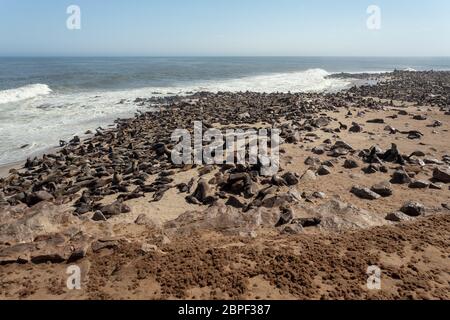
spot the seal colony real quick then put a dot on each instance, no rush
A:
(364, 180)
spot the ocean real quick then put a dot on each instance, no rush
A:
(43, 100)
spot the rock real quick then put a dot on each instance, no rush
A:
(308, 176)
(442, 174)
(397, 217)
(413, 209)
(384, 189)
(364, 193)
(281, 200)
(104, 244)
(98, 216)
(147, 248)
(286, 215)
(419, 184)
(296, 196)
(26, 223)
(323, 171)
(338, 216)
(290, 178)
(292, 229)
(225, 219)
(19, 253)
(351, 164)
(145, 220)
(400, 177)
(50, 248)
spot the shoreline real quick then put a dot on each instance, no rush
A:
(4, 169)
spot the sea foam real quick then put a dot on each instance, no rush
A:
(24, 93)
(29, 125)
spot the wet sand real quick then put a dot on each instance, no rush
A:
(4, 169)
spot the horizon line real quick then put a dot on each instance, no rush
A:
(218, 56)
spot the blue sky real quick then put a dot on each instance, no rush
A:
(225, 27)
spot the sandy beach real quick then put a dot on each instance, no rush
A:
(4, 170)
(363, 181)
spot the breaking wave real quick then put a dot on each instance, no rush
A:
(24, 93)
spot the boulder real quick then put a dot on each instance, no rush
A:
(397, 217)
(413, 209)
(280, 200)
(309, 175)
(292, 229)
(145, 220)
